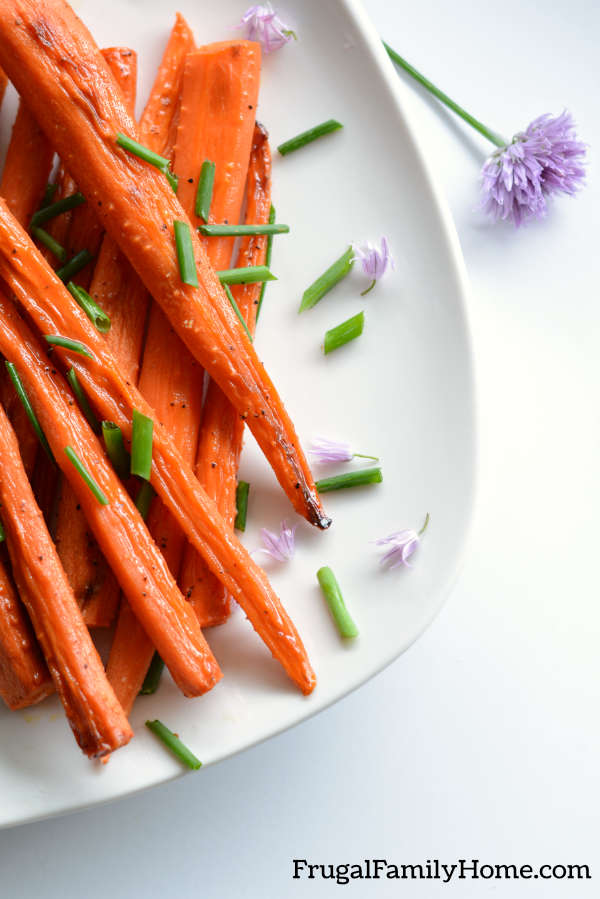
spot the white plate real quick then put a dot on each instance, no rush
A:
(403, 391)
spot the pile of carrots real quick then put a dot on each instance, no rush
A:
(74, 559)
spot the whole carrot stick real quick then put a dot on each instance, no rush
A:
(139, 209)
(117, 525)
(96, 718)
(222, 430)
(24, 677)
(27, 166)
(54, 311)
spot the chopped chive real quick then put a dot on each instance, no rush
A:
(50, 243)
(159, 162)
(236, 309)
(115, 448)
(350, 479)
(267, 261)
(22, 394)
(83, 401)
(53, 209)
(335, 601)
(48, 195)
(205, 190)
(241, 503)
(344, 333)
(306, 137)
(249, 274)
(86, 476)
(94, 312)
(74, 265)
(242, 230)
(141, 445)
(67, 344)
(173, 743)
(2, 534)
(185, 253)
(317, 290)
(153, 675)
(143, 500)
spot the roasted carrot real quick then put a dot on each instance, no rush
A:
(96, 718)
(3, 85)
(222, 430)
(26, 436)
(54, 311)
(24, 677)
(27, 166)
(139, 208)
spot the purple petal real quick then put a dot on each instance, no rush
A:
(325, 450)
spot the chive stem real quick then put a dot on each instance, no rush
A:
(2, 534)
(237, 311)
(241, 503)
(173, 743)
(49, 192)
(363, 456)
(94, 312)
(74, 265)
(153, 675)
(249, 274)
(242, 230)
(424, 528)
(344, 333)
(317, 290)
(67, 344)
(115, 448)
(53, 209)
(159, 162)
(141, 445)
(307, 137)
(204, 192)
(350, 479)
(267, 261)
(83, 401)
(368, 289)
(335, 601)
(185, 253)
(85, 475)
(49, 242)
(143, 500)
(22, 394)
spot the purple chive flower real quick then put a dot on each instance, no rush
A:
(279, 546)
(375, 262)
(264, 25)
(325, 450)
(543, 160)
(402, 545)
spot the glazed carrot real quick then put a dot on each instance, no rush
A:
(26, 436)
(222, 430)
(117, 525)
(3, 85)
(138, 207)
(96, 718)
(27, 166)
(54, 311)
(24, 677)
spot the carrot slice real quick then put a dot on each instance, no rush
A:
(96, 718)
(138, 207)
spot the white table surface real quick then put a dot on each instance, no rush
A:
(483, 740)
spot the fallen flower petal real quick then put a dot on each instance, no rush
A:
(375, 262)
(279, 546)
(264, 25)
(402, 545)
(325, 450)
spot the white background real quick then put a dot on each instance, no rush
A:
(483, 740)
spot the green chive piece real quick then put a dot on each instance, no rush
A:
(153, 675)
(249, 274)
(205, 189)
(344, 333)
(173, 743)
(185, 253)
(2, 534)
(317, 290)
(83, 401)
(86, 476)
(48, 241)
(74, 265)
(307, 137)
(143, 500)
(159, 162)
(67, 344)
(267, 261)
(350, 479)
(236, 309)
(242, 230)
(94, 312)
(115, 448)
(241, 503)
(335, 601)
(48, 195)
(22, 394)
(53, 209)
(141, 445)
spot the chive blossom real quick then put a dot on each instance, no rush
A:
(242, 230)
(344, 333)
(153, 675)
(115, 448)
(267, 261)
(334, 599)
(94, 312)
(317, 290)
(143, 500)
(307, 137)
(237, 311)
(53, 209)
(83, 401)
(350, 479)
(249, 274)
(74, 265)
(50, 243)
(85, 475)
(141, 445)
(185, 253)
(241, 504)
(205, 190)
(159, 162)
(174, 744)
(67, 344)
(22, 394)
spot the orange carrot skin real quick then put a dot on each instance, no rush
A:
(27, 167)
(138, 209)
(96, 718)
(24, 677)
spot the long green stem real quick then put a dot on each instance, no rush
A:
(496, 139)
